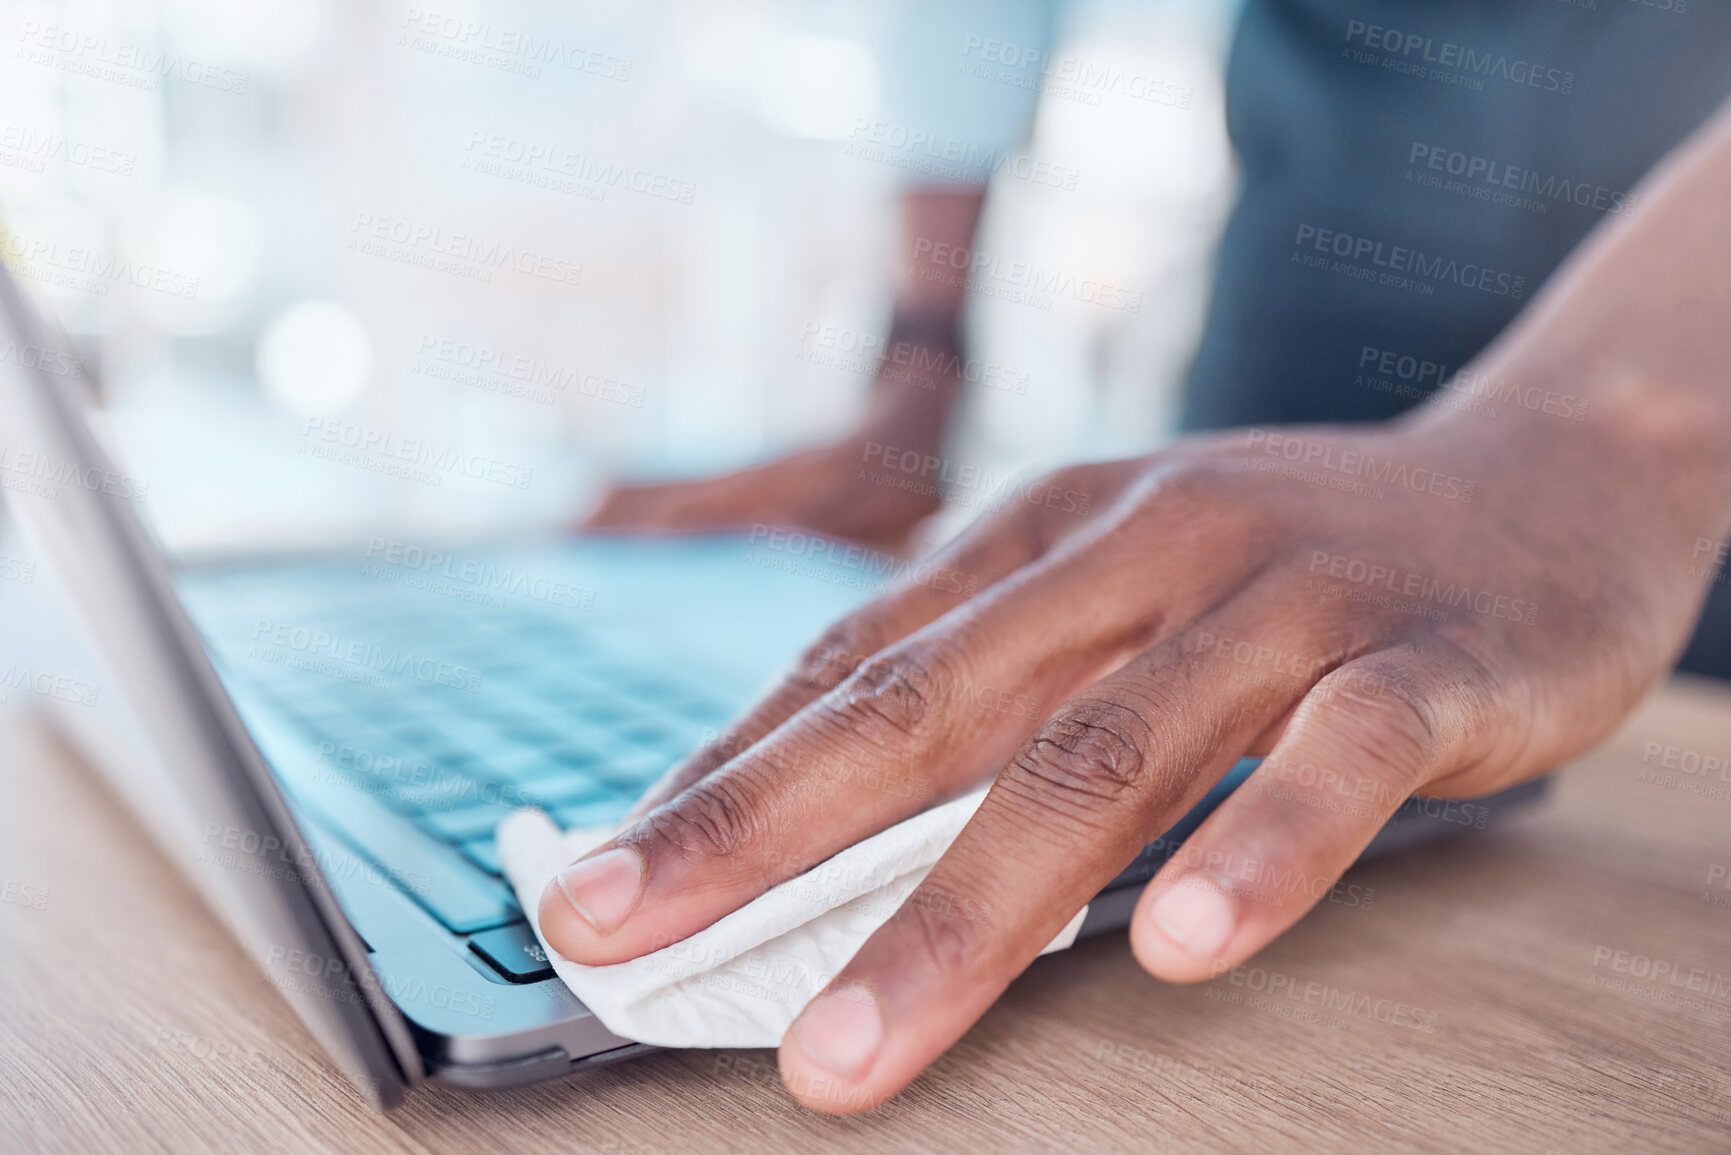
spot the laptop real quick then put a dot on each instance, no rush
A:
(324, 744)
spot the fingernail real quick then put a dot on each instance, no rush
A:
(1196, 916)
(604, 889)
(841, 1030)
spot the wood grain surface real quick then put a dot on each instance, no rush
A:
(1496, 995)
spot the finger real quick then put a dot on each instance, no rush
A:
(983, 554)
(1105, 776)
(732, 502)
(923, 720)
(1361, 742)
(959, 571)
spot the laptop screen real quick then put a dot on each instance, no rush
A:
(190, 767)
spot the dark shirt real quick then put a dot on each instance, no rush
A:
(1413, 171)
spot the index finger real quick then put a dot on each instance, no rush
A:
(983, 554)
(926, 719)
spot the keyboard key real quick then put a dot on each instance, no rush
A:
(533, 735)
(452, 889)
(448, 790)
(573, 757)
(418, 733)
(647, 733)
(634, 769)
(469, 822)
(514, 952)
(604, 812)
(484, 854)
(574, 789)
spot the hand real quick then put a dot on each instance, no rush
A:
(823, 490)
(832, 490)
(1446, 604)
(1495, 605)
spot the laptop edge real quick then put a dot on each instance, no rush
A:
(120, 591)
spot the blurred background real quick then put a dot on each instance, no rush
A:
(651, 250)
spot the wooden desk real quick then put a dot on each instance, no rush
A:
(129, 1021)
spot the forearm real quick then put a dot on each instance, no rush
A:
(919, 378)
(1634, 334)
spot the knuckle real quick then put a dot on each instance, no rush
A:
(1383, 714)
(904, 691)
(711, 819)
(1197, 494)
(716, 752)
(840, 651)
(1188, 479)
(1092, 753)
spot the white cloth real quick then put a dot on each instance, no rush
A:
(742, 981)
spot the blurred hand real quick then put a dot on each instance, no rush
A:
(823, 490)
(1442, 605)
(913, 391)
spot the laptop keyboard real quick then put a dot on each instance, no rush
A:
(431, 721)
